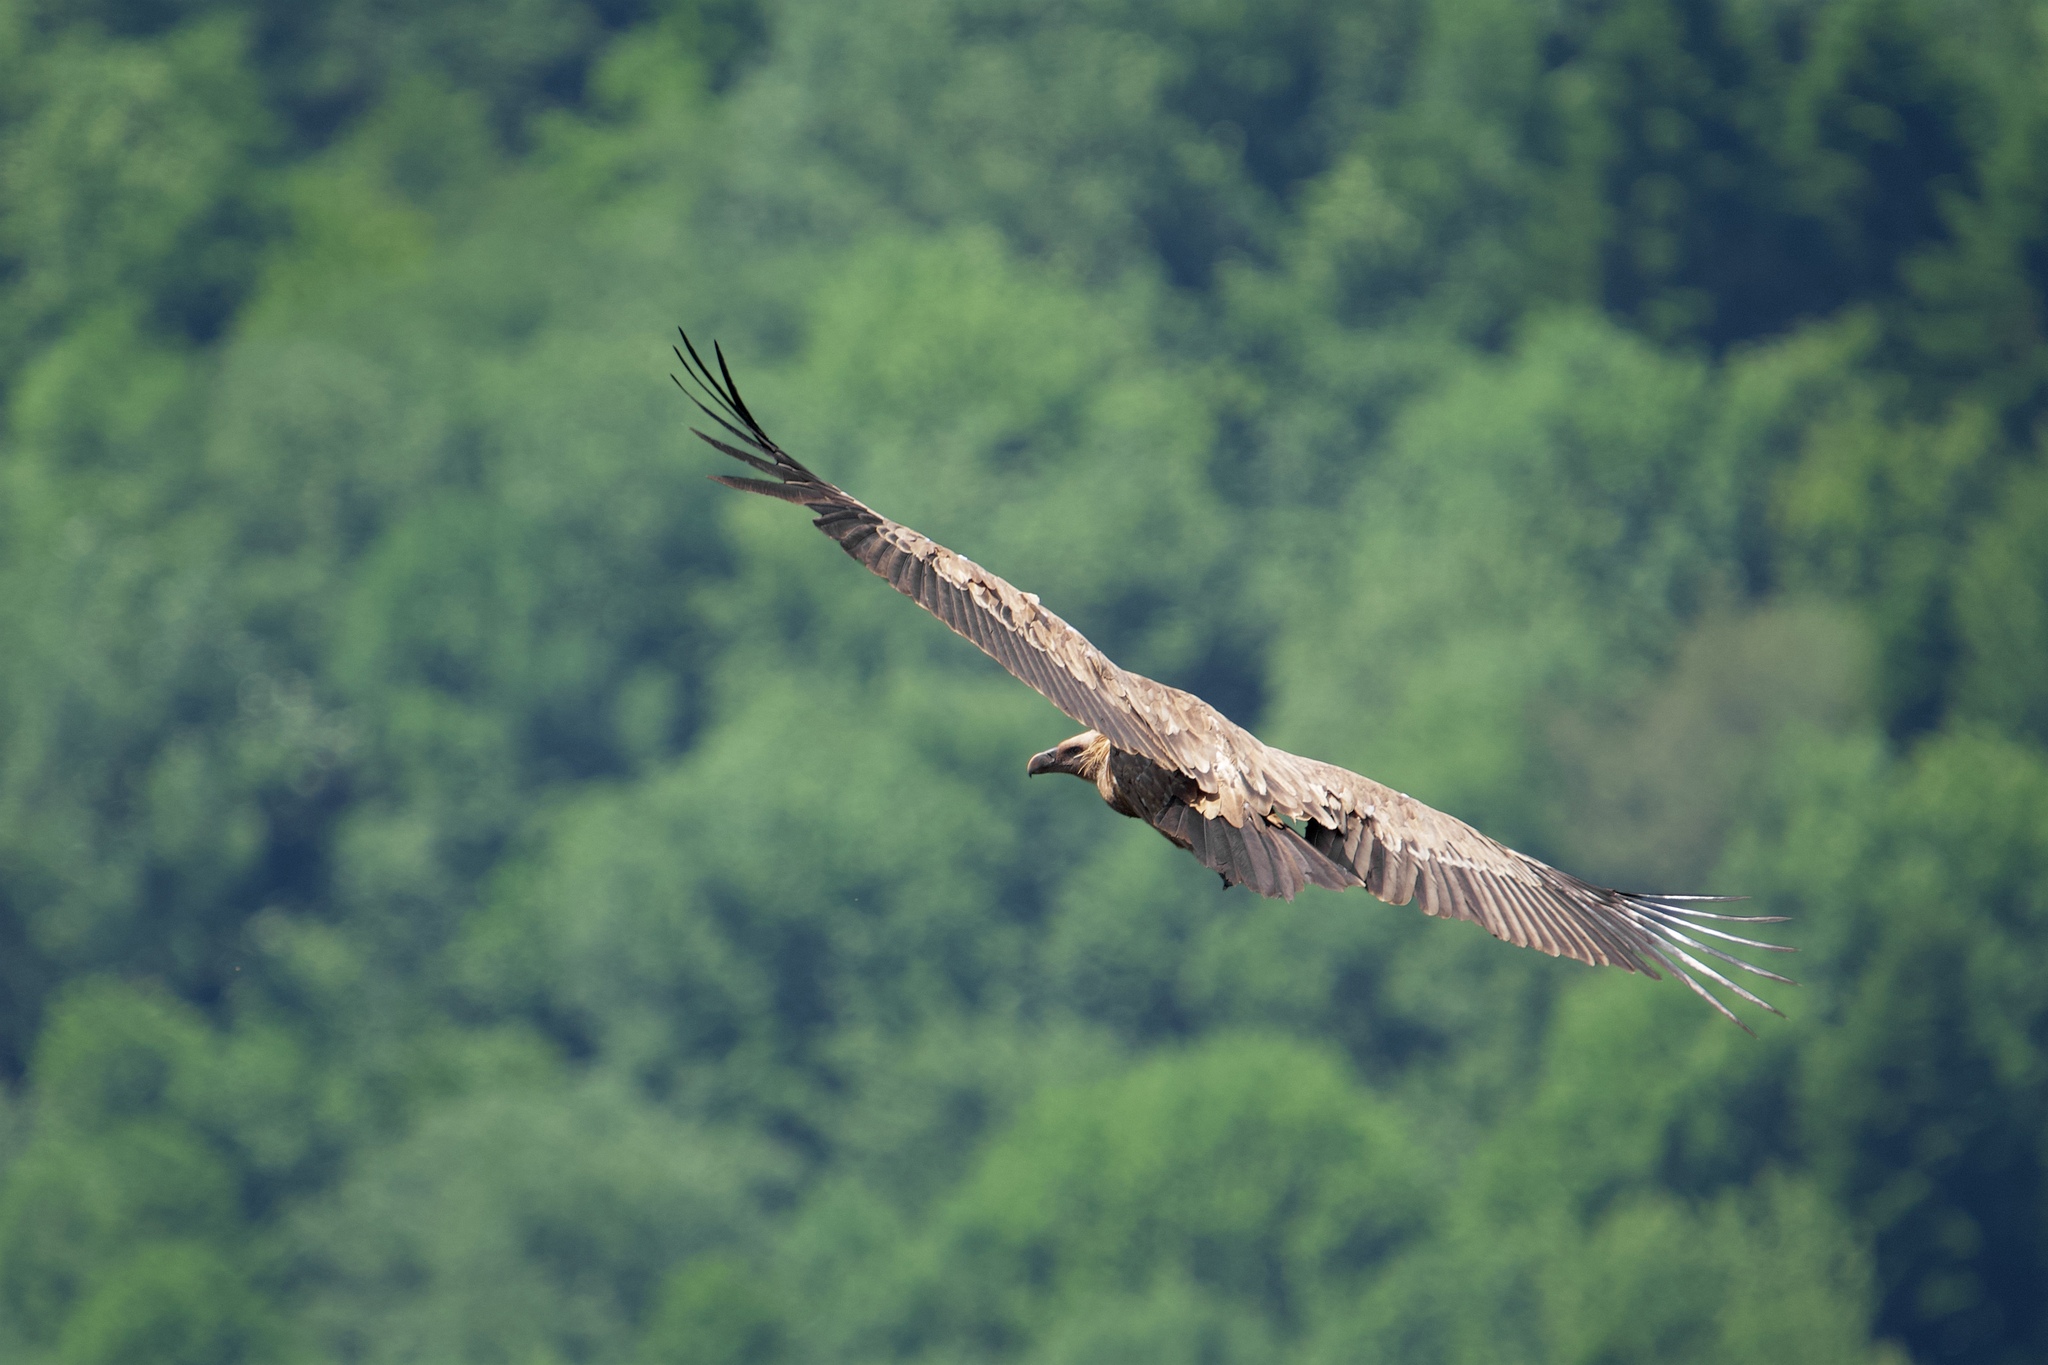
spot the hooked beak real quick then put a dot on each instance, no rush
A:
(1047, 762)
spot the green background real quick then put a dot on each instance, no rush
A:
(474, 893)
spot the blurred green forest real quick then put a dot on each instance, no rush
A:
(473, 893)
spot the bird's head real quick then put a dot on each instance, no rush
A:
(1083, 756)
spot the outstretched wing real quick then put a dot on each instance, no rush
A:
(1401, 849)
(1009, 626)
(1406, 851)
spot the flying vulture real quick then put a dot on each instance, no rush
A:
(1258, 816)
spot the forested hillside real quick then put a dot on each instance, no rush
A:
(474, 893)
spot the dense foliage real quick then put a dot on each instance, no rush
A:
(471, 891)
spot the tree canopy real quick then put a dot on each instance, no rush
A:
(472, 891)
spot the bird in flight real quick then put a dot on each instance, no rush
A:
(1257, 816)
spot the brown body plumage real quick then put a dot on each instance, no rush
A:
(1263, 853)
(1259, 817)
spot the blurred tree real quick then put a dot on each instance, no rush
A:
(123, 1235)
(128, 176)
(1922, 1107)
(714, 1311)
(2001, 604)
(520, 1221)
(1250, 1170)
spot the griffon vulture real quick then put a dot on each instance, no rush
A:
(1258, 816)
